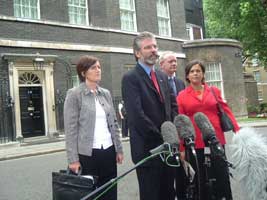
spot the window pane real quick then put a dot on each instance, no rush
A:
(163, 17)
(32, 2)
(82, 3)
(17, 10)
(33, 13)
(127, 14)
(78, 12)
(213, 74)
(26, 9)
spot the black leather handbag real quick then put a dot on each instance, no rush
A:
(226, 123)
(67, 185)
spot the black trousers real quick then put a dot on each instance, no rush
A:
(124, 127)
(102, 164)
(214, 180)
(156, 182)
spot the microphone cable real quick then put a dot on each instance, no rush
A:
(170, 156)
(167, 156)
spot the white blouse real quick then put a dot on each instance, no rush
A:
(102, 136)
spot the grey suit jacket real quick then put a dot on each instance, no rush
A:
(79, 120)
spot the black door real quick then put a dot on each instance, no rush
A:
(31, 109)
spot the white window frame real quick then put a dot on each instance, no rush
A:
(165, 18)
(190, 33)
(28, 6)
(131, 12)
(78, 7)
(212, 76)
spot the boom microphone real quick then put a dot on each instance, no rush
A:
(209, 136)
(170, 147)
(186, 131)
(248, 152)
(170, 138)
(169, 134)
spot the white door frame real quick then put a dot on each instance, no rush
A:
(16, 67)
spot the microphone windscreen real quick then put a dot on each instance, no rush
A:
(203, 123)
(169, 133)
(184, 126)
(248, 153)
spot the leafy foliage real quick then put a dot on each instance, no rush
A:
(243, 20)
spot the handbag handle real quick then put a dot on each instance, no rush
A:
(218, 104)
(71, 172)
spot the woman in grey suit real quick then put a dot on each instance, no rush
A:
(91, 128)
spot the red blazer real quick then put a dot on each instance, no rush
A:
(189, 104)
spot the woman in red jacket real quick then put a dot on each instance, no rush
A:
(198, 97)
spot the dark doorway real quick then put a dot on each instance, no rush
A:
(31, 109)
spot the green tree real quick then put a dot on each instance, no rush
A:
(243, 20)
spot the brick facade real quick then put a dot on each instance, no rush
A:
(53, 35)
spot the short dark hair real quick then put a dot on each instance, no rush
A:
(83, 64)
(139, 38)
(190, 65)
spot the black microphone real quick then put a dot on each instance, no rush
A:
(170, 138)
(209, 135)
(186, 131)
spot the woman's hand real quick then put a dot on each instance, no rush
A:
(119, 158)
(75, 166)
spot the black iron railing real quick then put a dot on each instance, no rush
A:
(7, 122)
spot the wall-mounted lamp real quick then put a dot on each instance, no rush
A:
(38, 62)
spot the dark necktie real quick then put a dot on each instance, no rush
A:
(173, 86)
(155, 82)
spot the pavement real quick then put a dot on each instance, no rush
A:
(34, 146)
(44, 145)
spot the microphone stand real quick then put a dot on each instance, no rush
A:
(209, 182)
(190, 188)
(114, 181)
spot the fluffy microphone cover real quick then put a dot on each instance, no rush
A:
(184, 126)
(248, 153)
(169, 133)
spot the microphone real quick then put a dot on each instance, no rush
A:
(209, 136)
(186, 131)
(171, 140)
(248, 152)
(169, 135)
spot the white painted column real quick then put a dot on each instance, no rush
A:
(14, 90)
(50, 99)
